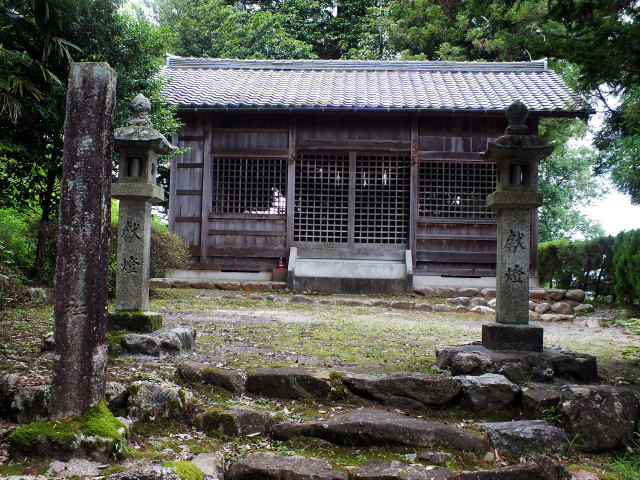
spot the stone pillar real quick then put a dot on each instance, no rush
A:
(133, 255)
(79, 366)
(138, 145)
(516, 155)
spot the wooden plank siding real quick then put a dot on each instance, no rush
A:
(254, 239)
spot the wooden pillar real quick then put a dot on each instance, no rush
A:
(291, 180)
(207, 186)
(413, 189)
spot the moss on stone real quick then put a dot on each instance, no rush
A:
(219, 421)
(135, 321)
(98, 421)
(185, 470)
(59, 433)
(62, 434)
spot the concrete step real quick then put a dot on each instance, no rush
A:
(393, 276)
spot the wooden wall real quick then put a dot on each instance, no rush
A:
(442, 242)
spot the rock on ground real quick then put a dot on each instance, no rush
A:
(575, 295)
(395, 469)
(152, 472)
(603, 417)
(526, 436)
(211, 464)
(289, 382)
(234, 421)
(412, 390)
(8, 387)
(271, 466)
(147, 399)
(489, 391)
(523, 471)
(518, 366)
(536, 400)
(75, 467)
(201, 373)
(379, 427)
(116, 394)
(167, 340)
(434, 458)
(31, 404)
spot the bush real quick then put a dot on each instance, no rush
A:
(17, 246)
(626, 260)
(168, 250)
(585, 264)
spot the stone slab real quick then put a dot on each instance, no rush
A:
(518, 366)
(272, 466)
(497, 336)
(289, 382)
(526, 436)
(141, 322)
(380, 427)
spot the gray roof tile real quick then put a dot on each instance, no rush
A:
(367, 85)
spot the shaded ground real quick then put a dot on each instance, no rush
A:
(247, 332)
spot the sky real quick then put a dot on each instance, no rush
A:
(613, 210)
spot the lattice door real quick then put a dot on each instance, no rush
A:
(382, 199)
(456, 189)
(371, 210)
(321, 212)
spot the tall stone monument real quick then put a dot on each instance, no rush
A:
(138, 145)
(80, 362)
(516, 155)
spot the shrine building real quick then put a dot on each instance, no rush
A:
(359, 176)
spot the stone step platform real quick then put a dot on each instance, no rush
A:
(380, 427)
(519, 366)
(273, 466)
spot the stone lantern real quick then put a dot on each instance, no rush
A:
(138, 145)
(516, 155)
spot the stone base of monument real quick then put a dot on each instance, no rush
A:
(133, 321)
(500, 336)
(517, 365)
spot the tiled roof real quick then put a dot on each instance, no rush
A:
(367, 85)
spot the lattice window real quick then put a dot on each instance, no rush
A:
(321, 212)
(456, 189)
(250, 185)
(382, 199)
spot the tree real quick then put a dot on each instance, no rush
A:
(566, 182)
(214, 28)
(48, 30)
(603, 38)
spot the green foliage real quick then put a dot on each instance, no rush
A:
(566, 182)
(585, 264)
(215, 28)
(626, 259)
(16, 245)
(48, 33)
(185, 470)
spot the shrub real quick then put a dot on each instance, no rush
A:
(626, 260)
(585, 264)
(168, 250)
(16, 244)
